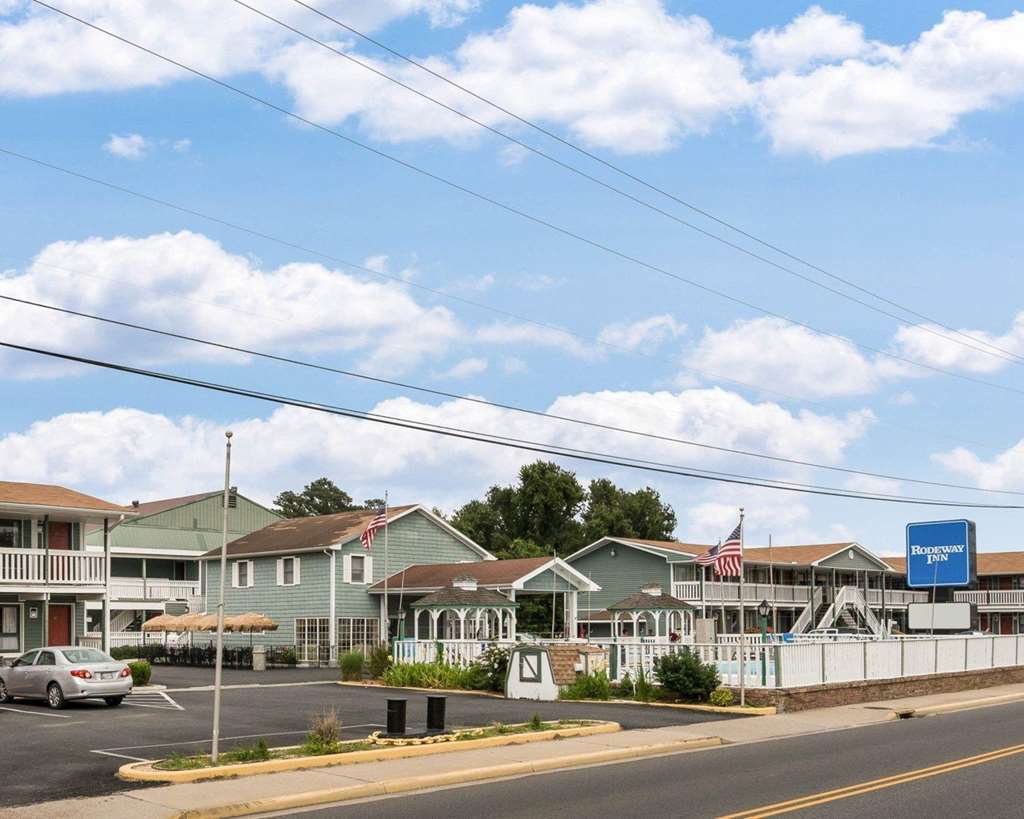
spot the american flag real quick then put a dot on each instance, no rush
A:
(378, 522)
(730, 555)
(710, 557)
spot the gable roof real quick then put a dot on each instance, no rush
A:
(155, 507)
(60, 497)
(469, 598)
(322, 531)
(642, 601)
(988, 563)
(486, 573)
(654, 546)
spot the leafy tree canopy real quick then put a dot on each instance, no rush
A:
(319, 497)
(548, 511)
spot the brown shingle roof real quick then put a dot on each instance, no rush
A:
(988, 563)
(41, 494)
(453, 596)
(305, 534)
(155, 507)
(486, 572)
(642, 601)
(669, 545)
(800, 555)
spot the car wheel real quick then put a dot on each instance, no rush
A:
(4, 696)
(55, 696)
(113, 702)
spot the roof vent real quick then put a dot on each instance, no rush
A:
(465, 582)
(653, 589)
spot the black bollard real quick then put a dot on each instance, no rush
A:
(435, 713)
(396, 717)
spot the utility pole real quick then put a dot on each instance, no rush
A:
(220, 604)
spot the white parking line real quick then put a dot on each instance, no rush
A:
(152, 699)
(35, 713)
(123, 756)
(254, 685)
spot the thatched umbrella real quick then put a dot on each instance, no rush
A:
(162, 622)
(250, 621)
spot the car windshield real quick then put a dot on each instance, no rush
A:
(86, 655)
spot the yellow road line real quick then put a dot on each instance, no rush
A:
(811, 800)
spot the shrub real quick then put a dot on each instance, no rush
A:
(433, 675)
(288, 656)
(252, 753)
(142, 671)
(686, 676)
(722, 697)
(324, 732)
(588, 687)
(378, 661)
(352, 665)
(493, 668)
(643, 690)
(535, 722)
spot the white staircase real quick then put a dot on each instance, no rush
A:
(850, 598)
(806, 618)
(119, 621)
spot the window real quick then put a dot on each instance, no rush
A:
(9, 638)
(10, 534)
(288, 571)
(358, 634)
(46, 658)
(85, 655)
(357, 568)
(313, 639)
(27, 658)
(242, 574)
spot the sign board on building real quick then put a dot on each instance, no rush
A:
(939, 616)
(941, 553)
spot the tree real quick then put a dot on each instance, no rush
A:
(616, 512)
(319, 497)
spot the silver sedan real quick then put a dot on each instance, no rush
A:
(61, 673)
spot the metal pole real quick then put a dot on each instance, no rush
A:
(105, 642)
(386, 625)
(771, 582)
(46, 580)
(935, 583)
(743, 638)
(215, 750)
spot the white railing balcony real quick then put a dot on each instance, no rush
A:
(896, 597)
(137, 588)
(718, 592)
(65, 568)
(1009, 599)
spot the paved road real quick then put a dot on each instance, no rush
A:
(75, 752)
(732, 779)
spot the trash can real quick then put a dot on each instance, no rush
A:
(259, 658)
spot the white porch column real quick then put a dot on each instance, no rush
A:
(571, 613)
(385, 631)
(462, 623)
(332, 624)
(434, 614)
(416, 623)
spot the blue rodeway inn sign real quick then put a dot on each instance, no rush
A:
(940, 553)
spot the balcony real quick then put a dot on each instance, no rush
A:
(153, 588)
(66, 568)
(1010, 600)
(717, 592)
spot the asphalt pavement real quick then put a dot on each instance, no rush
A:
(75, 752)
(743, 778)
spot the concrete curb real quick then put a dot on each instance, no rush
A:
(471, 693)
(416, 783)
(964, 705)
(144, 772)
(750, 711)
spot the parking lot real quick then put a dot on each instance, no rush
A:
(77, 751)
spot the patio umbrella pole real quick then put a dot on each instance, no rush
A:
(215, 749)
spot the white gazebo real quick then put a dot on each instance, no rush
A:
(463, 611)
(663, 613)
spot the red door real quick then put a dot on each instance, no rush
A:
(59, 626)
(59, 535)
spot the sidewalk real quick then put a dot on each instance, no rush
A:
(282, 791)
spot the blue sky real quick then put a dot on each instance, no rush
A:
(880, 142)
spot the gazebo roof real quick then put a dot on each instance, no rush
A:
(454, 597)
(643, 601)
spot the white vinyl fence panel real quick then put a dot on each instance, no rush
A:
(883, 659)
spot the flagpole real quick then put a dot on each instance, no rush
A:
(387, 603)
(743, 631)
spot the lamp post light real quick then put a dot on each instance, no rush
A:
(764, 610)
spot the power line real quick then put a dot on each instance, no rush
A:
(484, 402)
(439, 293)
(508, 441)
(517, 211)
(1015, 357)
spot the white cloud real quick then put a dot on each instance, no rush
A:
(648, 333)
(466, 368)
(534, 335)
(127, 453)
(511, 365)
(188, 283)
(474, 284)
(1004, 471)
(897, 97)
(127, 146)
(954, 352)
(903, 399)
(181, 146)
(788, 357)
(814, 36)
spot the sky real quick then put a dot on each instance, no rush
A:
(879, 142)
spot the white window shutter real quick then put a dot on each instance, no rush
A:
(346, 568)
(295, 575)
(280, 571)
(234, 575)
(250, 574)
(368, 570)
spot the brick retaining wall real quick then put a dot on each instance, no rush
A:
(851, 693)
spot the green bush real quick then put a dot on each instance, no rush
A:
(686, 676)
(493, 665)
(434, 675)
(643, 689)
(288, 656)
(352, 665)
(722, 697)
(378, 661)
(324, 733)
(588, 687)
(251, 753)
(142, 671)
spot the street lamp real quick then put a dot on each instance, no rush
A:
(764, 610)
